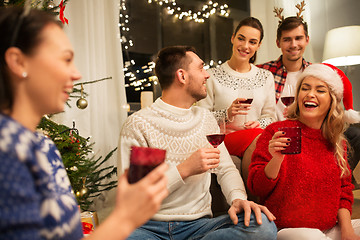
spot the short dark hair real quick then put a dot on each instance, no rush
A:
(254, 23)
(168, 61)
(291, 23)
(23, 32)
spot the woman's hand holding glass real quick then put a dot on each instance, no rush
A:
(238, 107)
(249, 97)
(241, 106)
(277, 144)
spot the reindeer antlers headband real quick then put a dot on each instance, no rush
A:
(300, 7)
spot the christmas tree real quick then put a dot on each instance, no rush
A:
(86, 173)
(46, 5)
(87, 176)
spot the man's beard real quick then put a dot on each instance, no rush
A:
(198, 96)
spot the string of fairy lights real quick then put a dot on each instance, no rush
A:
(205, 12)
(171, 8)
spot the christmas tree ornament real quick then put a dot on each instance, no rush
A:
(74, 168)
(50, 4)
(82, 102)
(84, 190)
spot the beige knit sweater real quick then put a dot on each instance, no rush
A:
(181, 132)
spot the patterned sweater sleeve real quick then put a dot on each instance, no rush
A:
(268, 110)
(20, 204)
(132, 134)
(258, 183)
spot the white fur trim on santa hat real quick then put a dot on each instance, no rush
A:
(326, 74)
(351, 116)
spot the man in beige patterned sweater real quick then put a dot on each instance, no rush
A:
(173, 123)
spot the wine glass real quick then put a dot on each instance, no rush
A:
(288, 95)
(249, 97)
(215, 139)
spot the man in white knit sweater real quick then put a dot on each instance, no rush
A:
(173, 123)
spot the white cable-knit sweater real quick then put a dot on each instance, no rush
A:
(181, 132)
(226, 84)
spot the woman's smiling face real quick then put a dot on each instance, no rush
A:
(246, 42)
(51, 71)
(314, 101)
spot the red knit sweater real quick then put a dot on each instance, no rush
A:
(308, 190)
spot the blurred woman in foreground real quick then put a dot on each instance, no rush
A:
(36, 76)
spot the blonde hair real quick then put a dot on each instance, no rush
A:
(332, 128)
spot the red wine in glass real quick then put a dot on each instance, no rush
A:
(143, 160)
(137, 172)
(287, 100)
(215, 139)
(247, 101)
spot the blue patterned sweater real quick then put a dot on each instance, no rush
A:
(36, 201)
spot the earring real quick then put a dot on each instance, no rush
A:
(24, 74)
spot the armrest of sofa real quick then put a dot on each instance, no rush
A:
(352, 134)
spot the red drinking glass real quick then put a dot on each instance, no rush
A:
(294, 133)
(143, 160)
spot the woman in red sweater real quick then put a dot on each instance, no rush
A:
(310, 192)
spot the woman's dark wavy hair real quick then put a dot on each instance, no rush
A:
(23, 32)
(254, 23)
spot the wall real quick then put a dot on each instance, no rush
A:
(339, 14)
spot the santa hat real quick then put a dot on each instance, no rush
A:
(339, 83)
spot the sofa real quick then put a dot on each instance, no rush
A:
(353, 136)
(220, 206)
